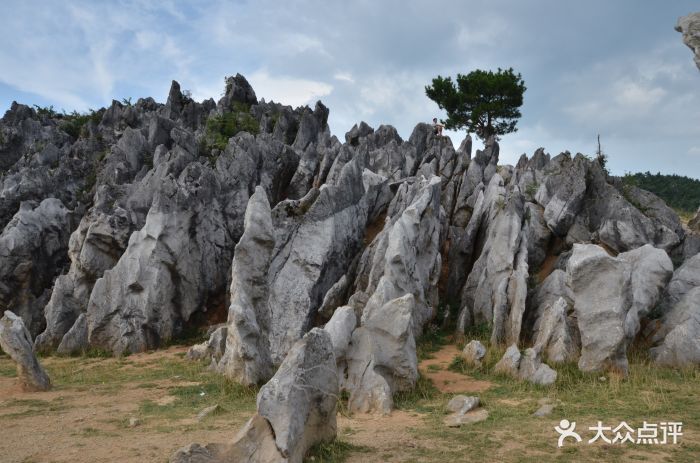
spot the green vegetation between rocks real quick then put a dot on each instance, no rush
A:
(222, 127)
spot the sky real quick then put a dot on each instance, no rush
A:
(614, 68)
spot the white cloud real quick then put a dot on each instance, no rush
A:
(344, 77)
(288, 90)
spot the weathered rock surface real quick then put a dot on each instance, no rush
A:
(246, 357)
(456, 420)
(473, 353)
(689, 26)
(525, 366)
(610, 296)
(694, 223)
(211, 349)
(681, 330)
(33, 249)
(296, 409)
(400, 271)
(678, 339)
(17, 343)
(462, 404)
(557, 337)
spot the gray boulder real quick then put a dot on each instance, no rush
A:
(340, 327)
(211, 349)
(17, 343)
(474, 352)
(382, 357)
(557, 336)
(525, 366)
(610, 296)
(681, 333)
(296, 410)
(495, 291)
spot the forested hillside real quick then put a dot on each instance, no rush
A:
(680, 192)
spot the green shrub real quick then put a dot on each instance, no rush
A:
(74, 122)
(222, 127)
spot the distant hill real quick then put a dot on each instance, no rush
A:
(680, 192)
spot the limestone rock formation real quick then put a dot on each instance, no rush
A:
(16, 342)
(296, 409)
(177, 224)
(525, 366)
(610, 296)
(678, 340)
(473, 353)
(246, 356)
(33, 249)
(689, 26)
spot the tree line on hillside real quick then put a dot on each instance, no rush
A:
(680, 192)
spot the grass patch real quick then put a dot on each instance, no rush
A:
(513, 434)
(336, 451)
(214, 389)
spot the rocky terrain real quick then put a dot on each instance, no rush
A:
(135, 225)
(689, 26)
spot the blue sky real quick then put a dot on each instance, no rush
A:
(615, 68)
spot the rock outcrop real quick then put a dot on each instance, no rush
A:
(33, 249)
(678, 338)
(689, 26)
(16, 342)
(611, 294)
(246, 356)
(126, 228)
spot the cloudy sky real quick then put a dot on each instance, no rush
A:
(617, 69)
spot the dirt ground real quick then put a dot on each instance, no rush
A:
(144, 407)
(89, 422)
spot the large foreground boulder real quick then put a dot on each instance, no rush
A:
(17, 343)
(296, 409)
(611, 295)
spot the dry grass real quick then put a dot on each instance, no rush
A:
(172, 390)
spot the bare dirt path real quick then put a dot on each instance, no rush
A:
(436, 369)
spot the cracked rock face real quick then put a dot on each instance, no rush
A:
(296, 410)
(610, 296)
(678, 340)
(246, 356)
(17, 343)
(33, 249)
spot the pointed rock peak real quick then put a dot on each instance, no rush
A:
(321, 112)
(175, 95)
(353, 136)
(237, 90)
